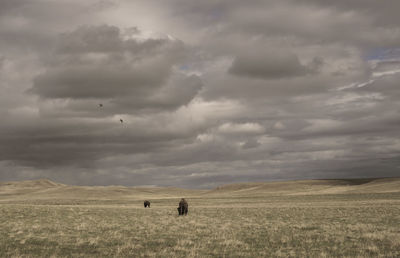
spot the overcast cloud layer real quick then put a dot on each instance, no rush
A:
(209, 92)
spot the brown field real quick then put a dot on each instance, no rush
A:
(313, 218)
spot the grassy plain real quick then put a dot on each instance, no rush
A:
(318, 218)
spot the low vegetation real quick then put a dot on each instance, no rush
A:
(246, 220)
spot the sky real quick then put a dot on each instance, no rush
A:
(209, 92)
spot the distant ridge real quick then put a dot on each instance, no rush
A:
(45, 189)
(317, 186)
(38, 183)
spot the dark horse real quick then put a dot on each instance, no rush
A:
(183, 207)
(146, 204)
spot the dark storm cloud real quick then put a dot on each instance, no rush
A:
(43, 143)
(104, 63)
(96, 62)
(268, 65)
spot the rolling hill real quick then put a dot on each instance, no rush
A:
(45, 189)
(312, 187)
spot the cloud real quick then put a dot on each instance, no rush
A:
(209, 92)
(245, 128)
(268, 65)
(121, 67)
(95, 62)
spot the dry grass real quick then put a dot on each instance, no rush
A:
(330, 225)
